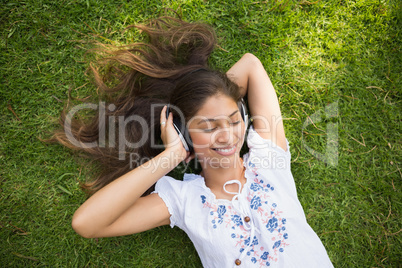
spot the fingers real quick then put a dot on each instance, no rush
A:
(163, 120)
(170, 136)
(169, 119)
(167, 131)
(163, 116)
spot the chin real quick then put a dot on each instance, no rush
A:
(214, 160)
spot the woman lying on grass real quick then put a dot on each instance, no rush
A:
(240, 210)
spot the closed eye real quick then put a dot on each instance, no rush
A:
(212, 129)
(209, 129)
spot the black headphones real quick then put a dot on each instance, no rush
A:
(184, 134)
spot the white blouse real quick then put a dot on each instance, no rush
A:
(263, 225)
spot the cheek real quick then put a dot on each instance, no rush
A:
(243, 130)
(239, 130)
(240, 133)
(201, 140)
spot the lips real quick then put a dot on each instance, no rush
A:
(226, 149)
(229, 150)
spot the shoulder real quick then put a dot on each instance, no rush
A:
(167, 181)
(257, 143)
(264, 154)
(181, 197)
(190, 182)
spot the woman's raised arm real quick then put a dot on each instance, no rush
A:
(263, 102)
(117, 209)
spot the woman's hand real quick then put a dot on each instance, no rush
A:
(171, 138)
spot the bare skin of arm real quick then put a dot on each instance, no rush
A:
(253, 80)
(118, 208)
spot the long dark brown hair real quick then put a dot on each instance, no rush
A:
(137, 80)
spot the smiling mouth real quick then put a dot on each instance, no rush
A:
(225, 150)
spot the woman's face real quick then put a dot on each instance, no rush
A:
(217, 132)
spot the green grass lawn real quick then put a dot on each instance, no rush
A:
(320, 53)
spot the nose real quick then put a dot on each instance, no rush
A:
(224, 135)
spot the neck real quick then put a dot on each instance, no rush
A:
(216, 177)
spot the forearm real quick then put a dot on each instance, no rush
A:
(253, 80)
(241, 72)
(109, 203)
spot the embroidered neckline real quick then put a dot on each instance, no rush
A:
(222, 200)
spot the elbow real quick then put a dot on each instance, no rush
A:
(254, 65)
(251, 59)
(81, 227)
(249, 55)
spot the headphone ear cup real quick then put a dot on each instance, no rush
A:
(243, 111)
(182, 131)
(184, 134)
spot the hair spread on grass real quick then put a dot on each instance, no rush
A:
(134, 77)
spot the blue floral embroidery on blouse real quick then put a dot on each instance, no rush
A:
(237, 220)
(255, 202)
(277, 244)
(221, 211)
(272, 224)
(225, 216)
(255, 241)
(255, 187)
(265, 255)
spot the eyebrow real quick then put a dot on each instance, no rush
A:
(204, 120)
